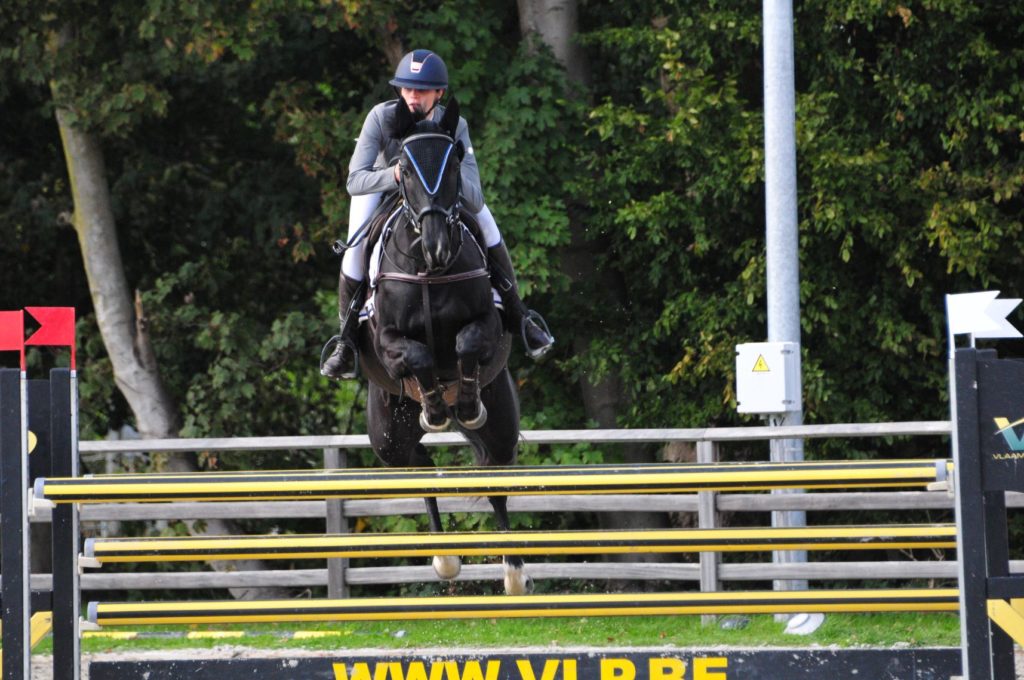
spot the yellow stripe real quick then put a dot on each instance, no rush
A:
(1008, 619)
(646, 604)
(40, 624)
(110, 634)
(394, 545)
(214, 634)
(512, 600)
(555, 481)
(448, 483)
(655, 468)
(481, 552)
(779, 608)
(312, 634)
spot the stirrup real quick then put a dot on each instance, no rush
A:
(543, 325)
(328, 350)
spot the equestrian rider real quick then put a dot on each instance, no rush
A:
(421, 80)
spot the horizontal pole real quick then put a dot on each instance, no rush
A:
(576, 571)
(617, 436)
(323, 546)
(745, 502)
(504, 606)
(508, 481)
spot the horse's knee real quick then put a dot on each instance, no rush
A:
(407, 358)
(475, 343)
(470, 340)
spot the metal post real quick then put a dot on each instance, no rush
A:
(336, 524)
(970, 517)
(707, 518)
(782, 243)
(14, 555)
(66, 591)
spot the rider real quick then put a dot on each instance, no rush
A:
(420, 80)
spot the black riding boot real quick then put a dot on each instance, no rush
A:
(536, 337)
(341, 365)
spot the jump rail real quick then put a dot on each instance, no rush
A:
(593, 436)
(108, 550)
(438, 482)
(632, 604)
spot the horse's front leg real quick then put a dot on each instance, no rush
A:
(402, 358)
(475, 347)
(517, 581)
(472, 348)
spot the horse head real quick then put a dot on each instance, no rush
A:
(430, 183)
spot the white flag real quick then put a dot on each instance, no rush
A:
(997, 312)
(981, 315)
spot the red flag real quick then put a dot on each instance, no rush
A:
(56, 328)
(12, 334)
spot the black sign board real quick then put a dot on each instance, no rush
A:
(775, 664)
(1001, 423)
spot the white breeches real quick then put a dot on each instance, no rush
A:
(361, 209)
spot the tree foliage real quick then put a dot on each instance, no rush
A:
(227, 129)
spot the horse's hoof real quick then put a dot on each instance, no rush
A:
(427, 427)
(447, 567)
(478, 422)
(517, 582)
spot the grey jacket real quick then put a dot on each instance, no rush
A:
(369, 171)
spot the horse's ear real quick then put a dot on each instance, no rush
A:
(402, 121)
(450, 119)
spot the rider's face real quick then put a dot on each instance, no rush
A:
(420, 101)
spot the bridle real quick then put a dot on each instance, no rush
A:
(450, 213)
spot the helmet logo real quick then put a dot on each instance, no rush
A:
(416, 66)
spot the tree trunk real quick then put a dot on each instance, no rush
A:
(555, 23)
(123, 328)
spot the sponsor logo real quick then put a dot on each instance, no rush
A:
(609, 668)
(1010, 436)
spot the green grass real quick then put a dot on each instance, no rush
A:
(844, 630)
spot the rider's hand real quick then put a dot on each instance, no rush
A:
(398, 174)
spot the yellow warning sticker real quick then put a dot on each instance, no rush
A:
(761, 366)
(32, 441)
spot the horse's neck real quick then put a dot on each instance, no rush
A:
(402, 252)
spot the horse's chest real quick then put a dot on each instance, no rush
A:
(410, 306)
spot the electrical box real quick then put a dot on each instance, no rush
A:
(767, 377)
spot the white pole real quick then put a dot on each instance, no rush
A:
(781, 229)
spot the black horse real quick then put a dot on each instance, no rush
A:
(435, 345)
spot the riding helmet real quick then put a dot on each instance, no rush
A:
(421, 70)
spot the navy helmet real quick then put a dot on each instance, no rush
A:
(421, 70)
